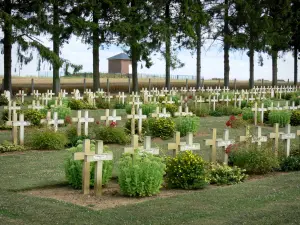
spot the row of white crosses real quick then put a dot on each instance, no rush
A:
(86, 120)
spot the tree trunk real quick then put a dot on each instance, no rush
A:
(274, 67)
(168, 46)
(295, 66)
(7, 47)
(96, 46)
(56, 43)
(251, 64)
(199, 45)
(226, 46)
(134, 58)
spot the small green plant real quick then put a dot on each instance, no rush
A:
(9, 147)
(3, 100)
(33, 116)
(111, 135)
(102, 104)
(148, 108)
(73, 169)
(47, 139)
(171, 108)
(254, 159)
(71, 133)
(202, 111)
(145, 126)
(186, 171)
(291, 163)
(236, 111)
(140, 175)
(295, 118)
(187, 124)
(281, 117)
(162, 127)
(216, 113)
(79, 104)
(120, 106)
(223, 174)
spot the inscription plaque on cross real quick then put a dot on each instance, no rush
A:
(259, 139)
(189, 145)
(148, 148)
(134, 145)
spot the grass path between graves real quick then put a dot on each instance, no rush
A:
(273, 200)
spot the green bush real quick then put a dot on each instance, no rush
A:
(267, 103)
(79, 104)
(295, 118)
(65, 103)
(216, 113)
(145, 126)
(147, 109)
(187, 124)
(111, 135)
(201, 112)
(248, 115)
(254, 159)
(163, 128)
(33, 116)
(3, 100)
(47, 139)
(224, 110)
(73, 169)
(291, 163)
(236, 111)
(186, 171)
(287, 96)
(102, 104)
(238, 123)
(171, 108)
(223, 174)
(9, 147)
(282, 117)
(120, 106)
(71, 133)
(140, 175)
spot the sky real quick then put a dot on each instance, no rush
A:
(212, 62)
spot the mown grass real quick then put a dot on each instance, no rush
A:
(273, 200)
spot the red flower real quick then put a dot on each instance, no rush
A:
(229, 122)
(230, 148)
(98, 122)
(68, 120)
(190, 97)
(113, 124)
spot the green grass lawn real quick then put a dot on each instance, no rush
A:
(273, 200)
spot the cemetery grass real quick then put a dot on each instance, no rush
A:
(272, 200)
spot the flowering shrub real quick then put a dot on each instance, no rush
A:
(186, 171)
(282, 117)
(235, 122)
(68, 120)
(113, 124)
(162, 127)
(73, 169)
(223, 174)
(229, 122)
(140, 174)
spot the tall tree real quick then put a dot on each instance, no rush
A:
(295, 42)
(250, 27)
(278, 15)
(134, 28)
(20, 21)
(94, 24)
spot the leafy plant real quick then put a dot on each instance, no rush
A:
(3, 100)
(186, 171)
(71, 133)
(223, 174)
(101, 104)
(140, 174)
(145, 126)
(33, 116)
(187, 124)
(111, 135)
(254, 159)
(73, 169)
(148, 108)
(79, 104)
(282, 117)
(291, 163)
(47, 139)
(9, 147)
(216, 113)
(171, 108)
(120, 106)
(162, 127)
(295, 118)
(200, 112)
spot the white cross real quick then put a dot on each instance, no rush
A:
(86, 120)
(36, 94)
(214, 100)
(293, 107)
(259, 139)
(140, 117)
(262, 109)
(148, 148)
(12, 109)
(55, 122)
(21, 123)
(122, 97)
(22, 95)
(225, 142)
(189, 146)
(287, 136)
(164, 114)
(108, 118)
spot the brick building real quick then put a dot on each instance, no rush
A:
(120, 64)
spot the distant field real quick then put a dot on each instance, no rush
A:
(117, 84)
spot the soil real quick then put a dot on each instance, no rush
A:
(112, 197)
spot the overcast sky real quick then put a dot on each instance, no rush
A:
(212, 62)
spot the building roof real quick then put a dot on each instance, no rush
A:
(121, 56)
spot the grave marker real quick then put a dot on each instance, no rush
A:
(212, 143)
(175, 146)
(287, 136)
(224, 143)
